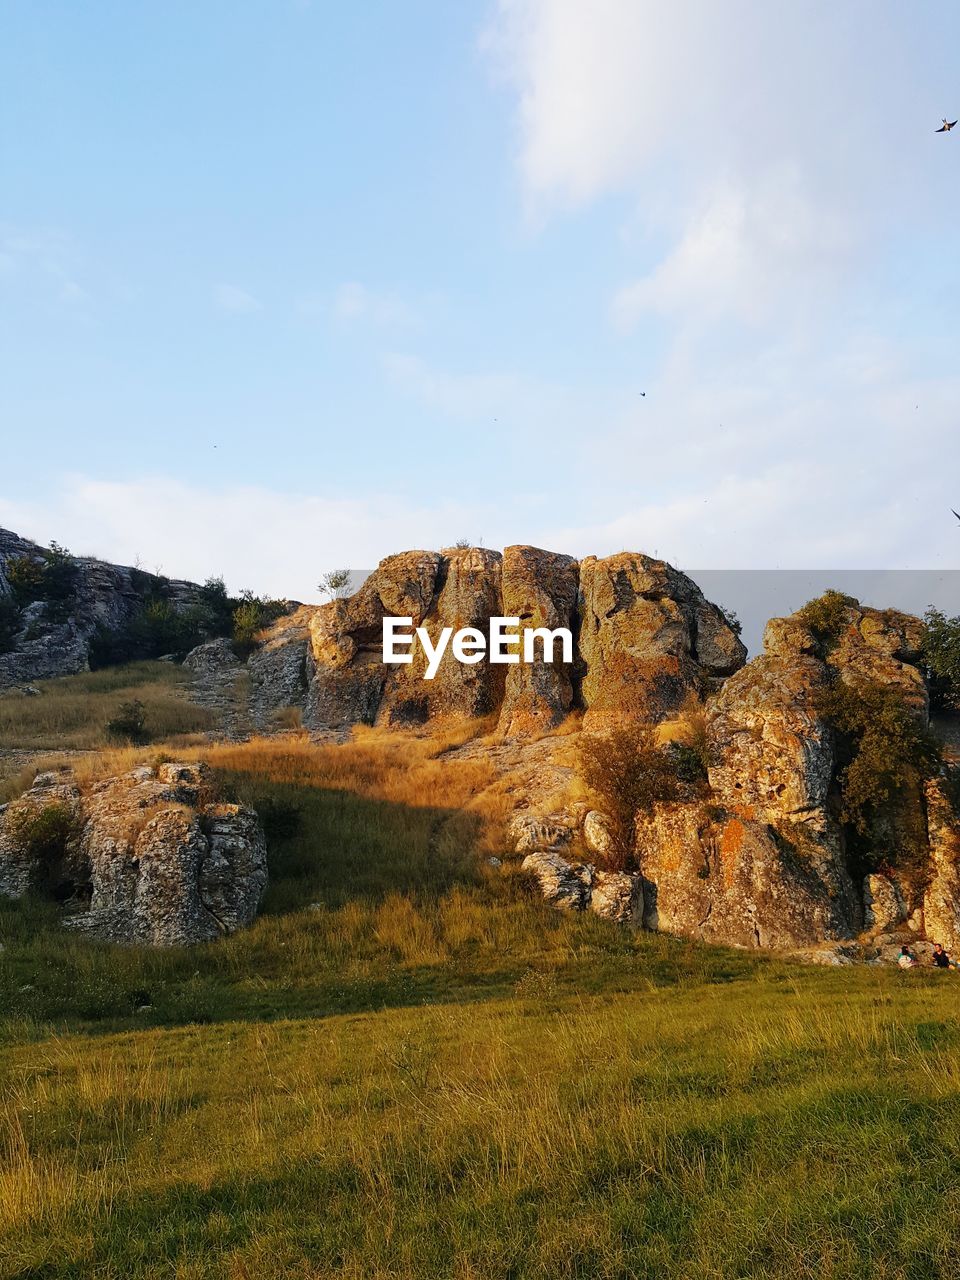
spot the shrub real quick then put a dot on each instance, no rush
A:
(50, 577)
(130, 723)
(731, 619)
(46, 835)
(941, 655)
(218, 607)
(251, 614)
(689, 763)
(9, 622)
(628, 773)
(882, 749)
(826, 616)
(336, 584)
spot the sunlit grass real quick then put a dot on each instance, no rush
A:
(411, 1067)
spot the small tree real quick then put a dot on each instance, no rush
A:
(628, 773)
(335, 584)
(130, 723)
(882, 749)
(731, 619)
(941, 654)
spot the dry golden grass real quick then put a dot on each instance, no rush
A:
(73, 712)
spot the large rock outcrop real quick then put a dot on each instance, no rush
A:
(644, 638)
(54, 637)
(148, 857)
(765, 859)
(648, 637)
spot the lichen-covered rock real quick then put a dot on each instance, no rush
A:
(281, 667)
(617, 896)
(648, 638)
(884, 906)
(563, 884)
(539, 588)
(146, 857)
(598, 833)
(738, 881)
(532, 833)
(468, 594)
(941, 902)
(40, 837)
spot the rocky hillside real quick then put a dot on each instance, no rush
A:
(54, 607)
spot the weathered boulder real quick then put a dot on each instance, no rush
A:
(598, 833)
(617, 896)
(648, 638)
(563, 884)
(40, 838)
(467, 595)
(280, 668)
(530, 833)
(738, 881)
(213, 657)
(539, 588)
(147, 857)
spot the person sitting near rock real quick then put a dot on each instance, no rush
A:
(940, 959)
(906, 959)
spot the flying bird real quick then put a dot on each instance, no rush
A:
(643, 393)
(956, 513)
(946, 126)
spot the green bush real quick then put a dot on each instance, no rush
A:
(826, 616)
(628, 773)
(130, 723)
(941, 655)
(45, 834)
(882, 749)
(50, 577)
(251, 614)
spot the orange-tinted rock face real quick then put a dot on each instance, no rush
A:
(648, 637)
(539, 588)
(644, 636)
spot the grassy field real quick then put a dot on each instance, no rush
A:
(409, 1067)
(73, 711)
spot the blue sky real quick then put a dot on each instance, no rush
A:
(288, 285)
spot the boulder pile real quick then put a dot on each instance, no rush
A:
(148, 857)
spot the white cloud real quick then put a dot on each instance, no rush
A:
(488, 396)
(266, 540)
(747, 251)
(236, 301)
(353, 303)
(43, 259)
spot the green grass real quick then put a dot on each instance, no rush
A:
(72, 712)
(433, 1075)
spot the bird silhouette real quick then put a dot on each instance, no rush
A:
(643, 393)
(946, 126)
(956, 513)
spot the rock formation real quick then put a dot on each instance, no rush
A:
(646, 637)
(53, 637)
(148, 857)
(758, 856)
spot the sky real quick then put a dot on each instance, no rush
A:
(287, 285)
